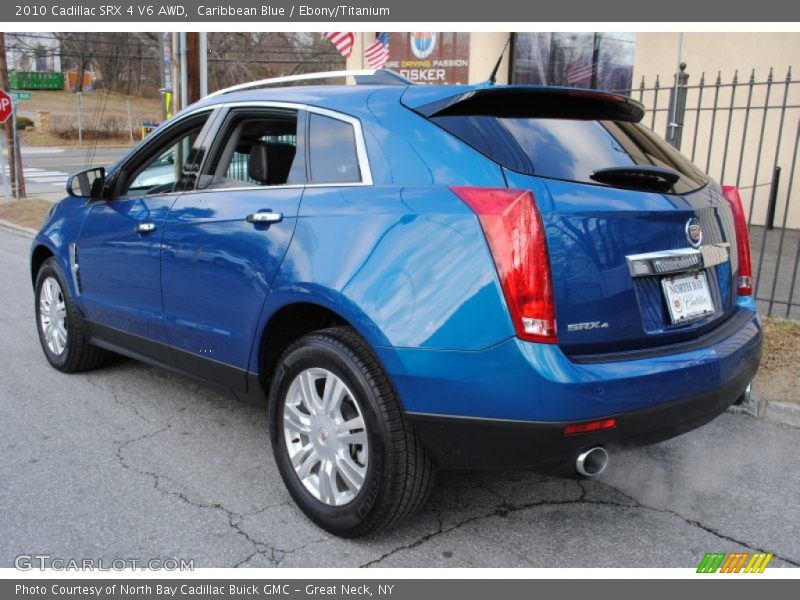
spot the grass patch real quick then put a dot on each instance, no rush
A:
(102, 111)
(778, 378)
(28, 212)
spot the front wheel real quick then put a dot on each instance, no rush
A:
(343, 448)
(59, 324)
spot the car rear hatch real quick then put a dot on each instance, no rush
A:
(641, 243)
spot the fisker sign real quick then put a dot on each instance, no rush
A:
(430, 57)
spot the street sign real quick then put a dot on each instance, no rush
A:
(20, 95)
(6, 106)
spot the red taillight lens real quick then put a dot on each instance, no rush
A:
(592, 426)
(745, 282)
(513, 228)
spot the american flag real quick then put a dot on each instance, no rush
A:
(578, 72)
(377, 53)
(343, 40)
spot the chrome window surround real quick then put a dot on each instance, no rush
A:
(358, 132)
(676, 261)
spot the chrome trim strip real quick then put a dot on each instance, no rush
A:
(74, 268)
(677, 261)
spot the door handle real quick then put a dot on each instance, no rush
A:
(265, 218)
(145, 227)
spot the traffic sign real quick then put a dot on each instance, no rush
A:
(17, 96)
(6, 106)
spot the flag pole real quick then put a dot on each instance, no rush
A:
(363, 47)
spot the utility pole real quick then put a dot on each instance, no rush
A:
(14, 159)
(193, 66)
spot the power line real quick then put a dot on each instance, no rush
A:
(156, 47)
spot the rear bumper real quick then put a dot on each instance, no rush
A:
(507, 406)
(470, 443)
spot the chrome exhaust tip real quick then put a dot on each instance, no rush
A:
(591, 462)
(746, 397)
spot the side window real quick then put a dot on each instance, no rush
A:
(163, 166)
(256, 149)
(332, 151)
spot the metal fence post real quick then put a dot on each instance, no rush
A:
(677, 107)
(769, 222)
(754, 131)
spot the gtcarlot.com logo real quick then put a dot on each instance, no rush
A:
(737, 562)
(30, 562)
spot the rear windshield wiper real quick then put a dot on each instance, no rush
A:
(647, 177)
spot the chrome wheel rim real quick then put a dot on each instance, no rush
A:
(53, 316)
(325, 436)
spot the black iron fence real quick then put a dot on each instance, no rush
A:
(743, 131)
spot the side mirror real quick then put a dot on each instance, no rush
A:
(87, 184)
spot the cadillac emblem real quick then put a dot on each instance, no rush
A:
(694, 232)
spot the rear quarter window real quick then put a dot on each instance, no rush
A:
(332, 151)
(570, 149)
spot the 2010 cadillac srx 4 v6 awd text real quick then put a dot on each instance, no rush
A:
(411, 278)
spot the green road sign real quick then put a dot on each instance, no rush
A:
(20, 96)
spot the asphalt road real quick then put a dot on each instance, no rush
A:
(46, 169)
(132, 462)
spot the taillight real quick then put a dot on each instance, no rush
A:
(745, 281)
(513, 228)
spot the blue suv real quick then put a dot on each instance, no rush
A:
(411, 278)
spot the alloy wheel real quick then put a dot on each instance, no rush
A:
(325, 436)
(53, 316)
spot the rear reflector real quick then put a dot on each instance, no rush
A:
(592, 426)
(515, 233)
(745, 282)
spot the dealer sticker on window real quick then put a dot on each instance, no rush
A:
(688, 297)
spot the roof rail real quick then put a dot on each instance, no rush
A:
(362, 77)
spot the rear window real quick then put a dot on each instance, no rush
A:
(568, 149)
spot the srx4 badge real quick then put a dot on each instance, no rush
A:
(587, 326)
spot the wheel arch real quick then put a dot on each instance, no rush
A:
(39, 254)
(286, 324)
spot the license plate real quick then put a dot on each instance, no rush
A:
(688, 297)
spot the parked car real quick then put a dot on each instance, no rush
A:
(412, 278)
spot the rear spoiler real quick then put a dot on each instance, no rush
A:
(527, 102)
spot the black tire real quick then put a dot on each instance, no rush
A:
(399, 470)
(78, 354)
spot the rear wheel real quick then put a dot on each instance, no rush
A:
(61, 330)
(344, 450)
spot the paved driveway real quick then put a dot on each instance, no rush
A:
(132, 462)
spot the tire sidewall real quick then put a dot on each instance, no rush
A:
(50, 269)
(321, 352)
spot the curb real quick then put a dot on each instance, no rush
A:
(782, 412)
(17, 229)
(774, 411)
(754, 407)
